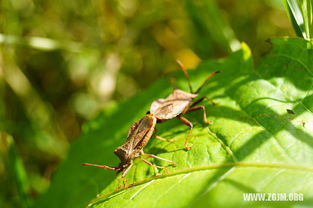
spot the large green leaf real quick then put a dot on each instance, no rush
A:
(261, 140)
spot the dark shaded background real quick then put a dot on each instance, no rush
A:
(63, 61)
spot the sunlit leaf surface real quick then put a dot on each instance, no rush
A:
(261, 140)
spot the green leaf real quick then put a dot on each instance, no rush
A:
(255, 143)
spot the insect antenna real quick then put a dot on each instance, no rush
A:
(182, 67)
(100, 166)
(206, 80)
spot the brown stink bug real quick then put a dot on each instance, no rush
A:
(138, 136)
(180, 102)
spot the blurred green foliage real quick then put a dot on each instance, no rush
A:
(62, 62)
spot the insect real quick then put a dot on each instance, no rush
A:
(175, 105)
(179, 103)
(137, 138)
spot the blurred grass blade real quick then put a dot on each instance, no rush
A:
(39, 43)
(17, 171)
(293, 20)
(37, 110)
(309, 26)
(301, 15)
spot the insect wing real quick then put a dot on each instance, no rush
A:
(133, 128)
(168, 109)
(138, 133)
(173, 105)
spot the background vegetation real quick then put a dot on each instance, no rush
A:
(64, 61)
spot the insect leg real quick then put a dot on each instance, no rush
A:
(166, 140)
(161, 138)
(188, 123)
(198, 101)
(157, 157)
(122, 183)
(199, 107)
(126, 170)
(205, 81)
(201, 99)
(100, 166)
(153, 165)
(183, 68)
(149, 163)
